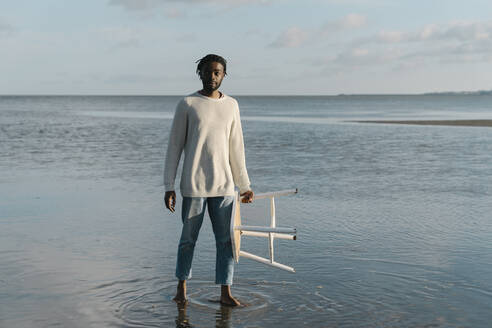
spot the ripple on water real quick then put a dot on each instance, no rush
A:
(148, 303)
(206, 295)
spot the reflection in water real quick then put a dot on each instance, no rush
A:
(223, 317)
(182, 320)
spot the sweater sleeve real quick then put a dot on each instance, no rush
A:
(177, 138)
(237, 158)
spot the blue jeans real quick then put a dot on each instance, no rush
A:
(219, 210)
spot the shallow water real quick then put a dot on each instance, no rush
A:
(394, 225)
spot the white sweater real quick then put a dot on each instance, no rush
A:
(209, 131)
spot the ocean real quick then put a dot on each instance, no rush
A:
(394, 221)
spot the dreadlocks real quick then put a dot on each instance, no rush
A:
(208, 59)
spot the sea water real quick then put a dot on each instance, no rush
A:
(394, 221)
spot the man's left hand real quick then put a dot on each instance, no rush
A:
(247, 196)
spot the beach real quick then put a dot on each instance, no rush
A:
(478, 123)
(393, 221)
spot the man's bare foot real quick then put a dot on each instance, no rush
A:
(226, 297)
(181, 292)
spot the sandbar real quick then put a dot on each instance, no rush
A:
(478, 123)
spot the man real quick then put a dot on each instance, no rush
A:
(207, 127)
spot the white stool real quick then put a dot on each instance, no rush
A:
(271, 232)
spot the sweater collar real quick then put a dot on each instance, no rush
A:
(224, 96)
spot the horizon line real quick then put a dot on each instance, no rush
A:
(478, 92)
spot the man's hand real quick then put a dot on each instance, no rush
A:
(170, 200)
(247, 196)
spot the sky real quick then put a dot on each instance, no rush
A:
(273, 47)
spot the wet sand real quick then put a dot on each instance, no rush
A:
(478, 123)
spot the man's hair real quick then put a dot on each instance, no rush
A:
(208, 59)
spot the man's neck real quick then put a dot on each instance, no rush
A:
(216, 94)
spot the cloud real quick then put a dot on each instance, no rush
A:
(290, 38)
(174, 13)
(451, 53)
(433, 44)
(358, 2)
(5, 28)
(351, 21)
(453, 43)
(294, 36)
(465, 32)
(136, 5)
(145, 5)
(458, 32)
(360, 57)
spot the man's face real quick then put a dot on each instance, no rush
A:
(212, 75)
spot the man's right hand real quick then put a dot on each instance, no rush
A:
(170, 200)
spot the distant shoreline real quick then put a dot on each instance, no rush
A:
(443, 93)
(477, 123)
